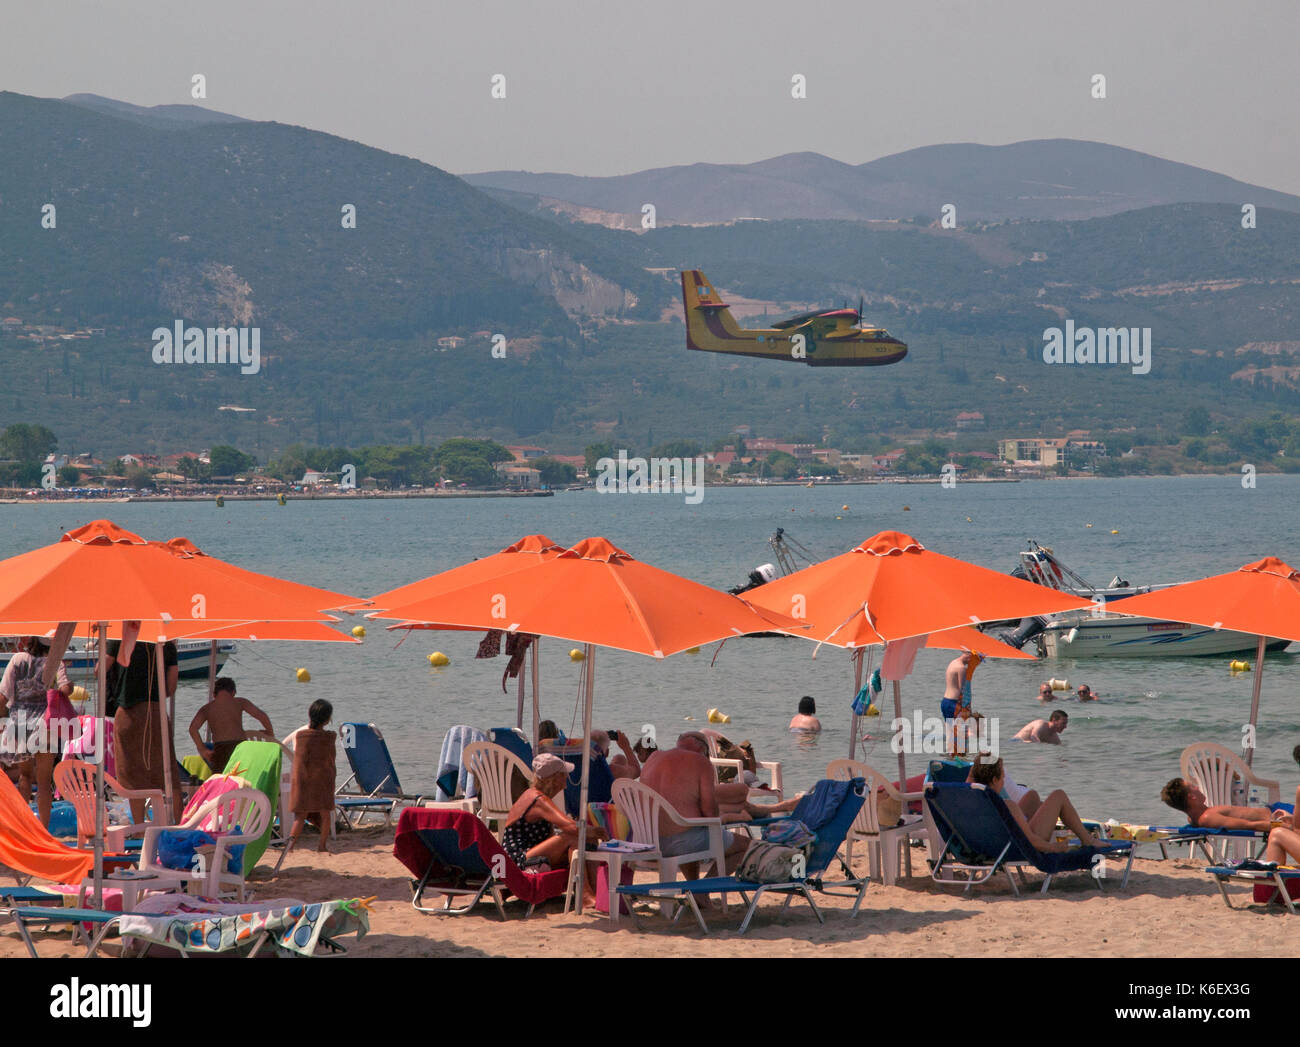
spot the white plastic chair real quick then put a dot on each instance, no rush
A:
(642, 806)
(75, 781)
(246, 809)
(1213, 769)
(493, 767)
(885, 845)
(773, 768)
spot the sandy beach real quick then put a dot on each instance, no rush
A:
(1169, 909)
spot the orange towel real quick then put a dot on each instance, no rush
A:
(26, 845)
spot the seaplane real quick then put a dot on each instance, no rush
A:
(828, 338)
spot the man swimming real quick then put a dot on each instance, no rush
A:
(1048, 730)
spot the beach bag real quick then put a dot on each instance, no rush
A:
(177, 847)
(789, 832)
(59, 707)
(771, 863)
(1267, 892)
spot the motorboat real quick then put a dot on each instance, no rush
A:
(192, 657)
(1101, 633)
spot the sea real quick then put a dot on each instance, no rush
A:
(1115, 755)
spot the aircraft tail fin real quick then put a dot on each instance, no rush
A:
(705, 309)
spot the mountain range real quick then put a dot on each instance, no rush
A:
(1056, 179)
(384, 332)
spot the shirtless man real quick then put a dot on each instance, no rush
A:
(621, 765)
(1048, 730)
(1044, 692)
(957, 678)
(684, 777)
(225, 716)
(1186, 797)
(1085, 694)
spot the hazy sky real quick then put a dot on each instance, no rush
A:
(609, 87)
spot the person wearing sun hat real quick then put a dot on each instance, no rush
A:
(537, 831)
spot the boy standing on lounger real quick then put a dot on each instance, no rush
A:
(1186, 797)
(224, 715)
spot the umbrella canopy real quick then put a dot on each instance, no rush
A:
(968, 639)
(1262, 598)
(156, 630)
(102, 572)
(891, 587)
(595, 593)
(529, 551)
(598, 595)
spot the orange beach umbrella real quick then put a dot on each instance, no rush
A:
(1262, 598)
(598, 595)
(101, 572)
(892, 588)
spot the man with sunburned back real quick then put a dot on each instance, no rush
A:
(1186, 797)
(686, 779)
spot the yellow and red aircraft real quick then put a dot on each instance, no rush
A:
(822, 339)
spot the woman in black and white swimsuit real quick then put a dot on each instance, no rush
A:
(537, 830)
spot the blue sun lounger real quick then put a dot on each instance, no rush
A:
(981, 838)
(376, 788)
(830, 837)
(1257, 874)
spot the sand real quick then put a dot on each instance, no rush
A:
(1169, 909)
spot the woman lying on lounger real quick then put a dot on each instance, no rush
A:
(538, 831)
(1041, 828)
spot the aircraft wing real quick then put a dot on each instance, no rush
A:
(822, 321)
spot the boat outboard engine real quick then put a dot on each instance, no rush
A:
(1022, 633)
(760, 575)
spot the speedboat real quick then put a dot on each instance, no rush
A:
(1100, 633)
(80, 660)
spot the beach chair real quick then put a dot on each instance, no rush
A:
(244, 809)
(75, 780)
(24, 917)
(681, 894)
(981, 838)
(454, 855)
(642, 807)
(886, 844)
(494, 767)
(773, 768)
(373, 785)
(1270, 882)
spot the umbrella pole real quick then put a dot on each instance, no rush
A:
(902, 756)
(853, 720)
(165, 726)
(536, 676)
(101, 688)
(519, 704)
(1254, 699)
(580, 883)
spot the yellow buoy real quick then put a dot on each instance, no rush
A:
(1114, 532)
(1239, 666)
(303, 676)
(907, 508)
(844, 508)
(79, 694)
(576, 655)
(438, 659)
(717, 717)
(871, 711)
(692, 650)
(1087, 525)
(279, 499)
(221, 502)
(359, 631)
(839, 518)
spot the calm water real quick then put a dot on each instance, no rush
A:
(1116, 754)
